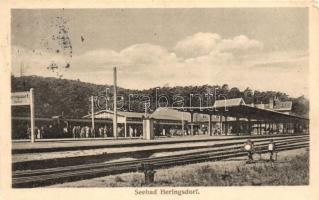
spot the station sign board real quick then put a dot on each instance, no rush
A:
(20, 98)
(23, 99)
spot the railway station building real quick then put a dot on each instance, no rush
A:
(225, 117)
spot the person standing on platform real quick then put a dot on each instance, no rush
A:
(92, 130)
(106, 131)
(28, 132)
(131, 131)
(87, 132)
(39, 133)
(100, 131)
(73, 131)
(42, 132)
(82, 133)
(77, 132)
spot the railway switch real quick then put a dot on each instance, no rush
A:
(249, 148)
(149, 172)
(272, 150)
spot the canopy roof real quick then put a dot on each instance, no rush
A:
(238, 108)
(176, 115)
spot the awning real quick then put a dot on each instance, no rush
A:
(244, 111)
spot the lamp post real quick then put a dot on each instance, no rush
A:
(92, 110)
(106, 99)
(32, 137)
(115, 104)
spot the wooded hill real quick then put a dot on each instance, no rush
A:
(70, 98)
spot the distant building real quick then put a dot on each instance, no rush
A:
(276, 105)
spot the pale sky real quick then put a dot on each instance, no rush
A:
(264, 48)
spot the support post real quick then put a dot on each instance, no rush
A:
(183, 125)
(238, 125)
(210, 125)
(288, 127)
(148, 128)
(125, 127)
(226, 126)
(284, 127)
(297, 128)
(192, 123)
(249, 126)
(32, 137)
(92, 110)
(115, 104)
(221, 123)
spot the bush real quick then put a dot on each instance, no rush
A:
(137, 180)
(293, 172)
(118, 179)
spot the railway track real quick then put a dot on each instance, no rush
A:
(135, 144)
(42, 177)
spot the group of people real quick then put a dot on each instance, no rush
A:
(68, 132)
(84, 132)
(77, 131)
(103, 132)
(42, 132)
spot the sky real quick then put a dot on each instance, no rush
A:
(260, 48)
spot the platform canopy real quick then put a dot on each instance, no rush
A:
(238, 109)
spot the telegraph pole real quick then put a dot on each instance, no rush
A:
(92, 110)
(115, 106)
(32, 115)
(145, 109)
(106, 98)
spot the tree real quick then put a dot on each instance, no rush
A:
(225, 89)
(300, 106)
(234, 93)
(54, 96)
(248, 95)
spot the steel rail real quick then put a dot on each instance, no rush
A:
(211, 148)
(60, 175)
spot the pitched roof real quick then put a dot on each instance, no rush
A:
(229, 102)
(159, 114)
(104, 113)
(172, 114)
(131, 114)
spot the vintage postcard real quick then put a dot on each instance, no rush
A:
(159, 100)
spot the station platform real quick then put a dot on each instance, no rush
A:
(51, 145)
(54, 145)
